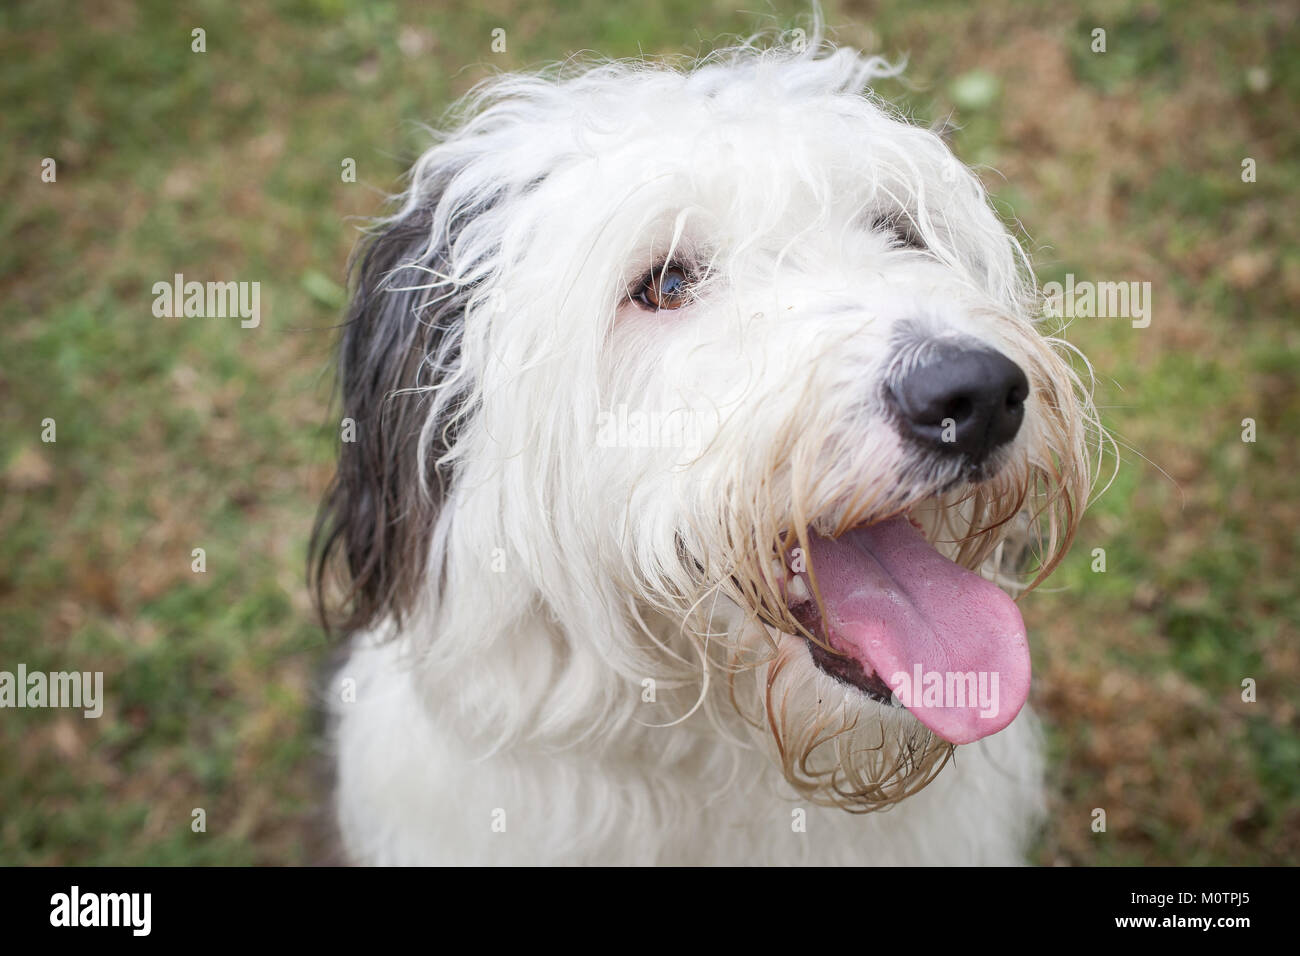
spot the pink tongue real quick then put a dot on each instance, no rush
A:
(924, 625)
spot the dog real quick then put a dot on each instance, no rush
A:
(704, 427)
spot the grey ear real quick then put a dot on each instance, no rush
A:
(403, 332)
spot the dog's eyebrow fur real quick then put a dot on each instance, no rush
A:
(902, 226)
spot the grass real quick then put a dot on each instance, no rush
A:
(181, 434)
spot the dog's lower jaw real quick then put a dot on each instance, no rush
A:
(412, 788)
(848, 671)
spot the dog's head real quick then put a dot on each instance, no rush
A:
(735, 370)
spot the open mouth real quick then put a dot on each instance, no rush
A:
(904, 623)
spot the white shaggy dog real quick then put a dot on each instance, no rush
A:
(687, 405)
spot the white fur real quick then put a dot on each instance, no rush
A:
(505, 721)
(412, 792)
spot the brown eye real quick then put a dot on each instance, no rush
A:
(666, 287)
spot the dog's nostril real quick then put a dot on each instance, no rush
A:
(959, 409)
(964, 401)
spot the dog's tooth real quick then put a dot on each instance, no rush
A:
(798, 589)
(778, 571)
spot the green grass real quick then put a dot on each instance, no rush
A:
(181, 434)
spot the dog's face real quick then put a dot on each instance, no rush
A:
(737, 361)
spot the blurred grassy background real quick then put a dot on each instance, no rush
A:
(188, 433)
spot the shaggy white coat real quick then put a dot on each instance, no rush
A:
(584, 676)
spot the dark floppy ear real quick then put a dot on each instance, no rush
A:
(400, 344)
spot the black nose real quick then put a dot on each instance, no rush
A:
(965, 401)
